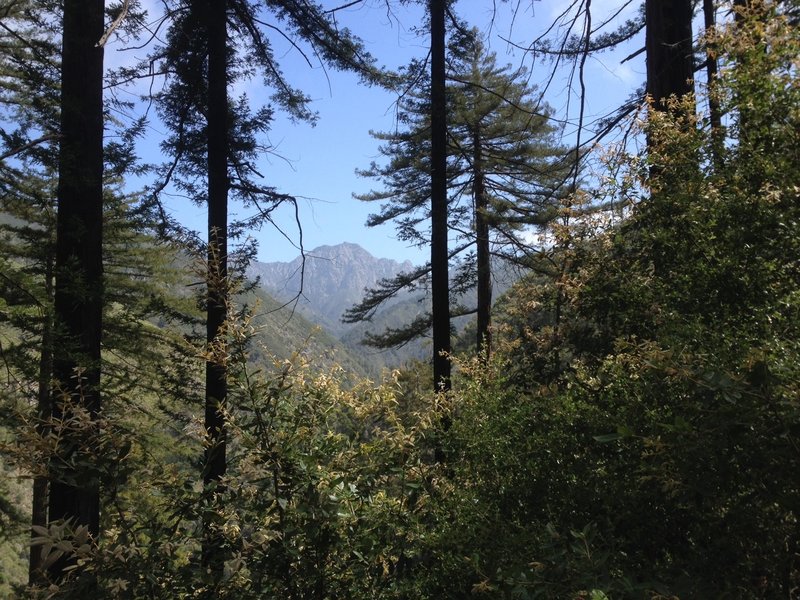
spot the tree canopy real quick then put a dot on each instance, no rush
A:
(504, 176)
(625, 425)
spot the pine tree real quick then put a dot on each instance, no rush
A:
(503, 173)
(217, 283)
(215, 143)
(27, 249)
(28, 68)
(135, 269)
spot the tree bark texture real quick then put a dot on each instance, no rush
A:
(484, 267)
(78, 295)
(40, 484)
(668, 43)
(217, 282)
(712, 68)
(440, 279)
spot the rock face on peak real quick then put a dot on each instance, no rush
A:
(333, 279)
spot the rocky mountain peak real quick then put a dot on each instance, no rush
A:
(333, 278)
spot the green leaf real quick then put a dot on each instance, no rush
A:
(608, 437)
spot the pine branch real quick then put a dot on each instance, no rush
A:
(29, 145)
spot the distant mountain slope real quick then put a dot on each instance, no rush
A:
(279, 333)
(333, 279)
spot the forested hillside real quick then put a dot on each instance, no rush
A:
(607, 398)
(327, 280)
(323, 283)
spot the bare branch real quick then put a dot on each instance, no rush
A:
(342, 7)
(116, 23)
(582, 82)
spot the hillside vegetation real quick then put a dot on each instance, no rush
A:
(628, 428)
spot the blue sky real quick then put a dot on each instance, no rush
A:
(317, 164)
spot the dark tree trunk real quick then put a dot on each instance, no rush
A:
(484, 316)
(670, 60)
(440, 280)
(216, 369)
(670, 66)
(40, 484)
(78, 297)
(38, 518)
(714, 112)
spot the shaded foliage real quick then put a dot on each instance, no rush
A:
(655, 460)
(635, 433)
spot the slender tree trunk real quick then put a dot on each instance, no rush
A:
(710, 22)
(216, 368)
(484, 341)
(714, 111)
(440, 280)
(668, 42)
(78, 297)
(40, 484)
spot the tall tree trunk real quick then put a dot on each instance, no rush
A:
(714, 111)
(44, 412)
(668, 42)
(440, 280)
(217, 283)
(78, 297)
(484, 333)
(670, 59)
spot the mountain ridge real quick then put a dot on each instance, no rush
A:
(334, 278)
